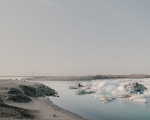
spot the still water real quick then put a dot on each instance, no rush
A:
(93, 109)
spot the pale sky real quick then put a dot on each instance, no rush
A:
(74, 37)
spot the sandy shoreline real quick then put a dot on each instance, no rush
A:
(41, 108)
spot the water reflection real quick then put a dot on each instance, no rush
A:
(94, 109)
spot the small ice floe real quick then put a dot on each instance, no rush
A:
(87, 84)
(146, 93)
(106, 98)
(79, 92)
(137, 98)
(103, 92)
(121, 94)
(85, 90)
(90, 91)
(95, 96)
(73, 87)
(76, 85)
(106, 83)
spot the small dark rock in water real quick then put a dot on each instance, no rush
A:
(19, 98)
(54, 115)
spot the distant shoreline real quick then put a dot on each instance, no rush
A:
(93, 77)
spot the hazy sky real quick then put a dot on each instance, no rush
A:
(74, 37)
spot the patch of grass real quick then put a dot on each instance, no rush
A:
(25, 114)
(16, 112)
(1, 101)
(15, 91)
(29, 90)
(38, 91)
(19, 99)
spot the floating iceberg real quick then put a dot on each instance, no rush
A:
(106, 98)
(135, 90)
(137, 98)
(85, 90)
(76, 85)
(146, 93)
(121, 94)
(106, 83)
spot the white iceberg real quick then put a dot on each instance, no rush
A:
(106, 98)
(136, 90)
(137, 98)
(76, 85)
(121, 94)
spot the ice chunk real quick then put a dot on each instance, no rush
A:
(146, 93)
(90, 91)
(110, 88)
(80, 92)
(106, 98)
(137, 98)
(121, 94)
(103, 92)
(85, 90)
(76, 85)
(101, 84)
(141, 100)
(73, 87)
(134, 96)
(87, 84)
(96, 96)
(121, 88)
(94, 88)
(105, 83)
(95, 83)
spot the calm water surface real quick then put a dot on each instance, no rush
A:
(93, 109)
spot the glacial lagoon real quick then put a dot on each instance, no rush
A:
(91, 108)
